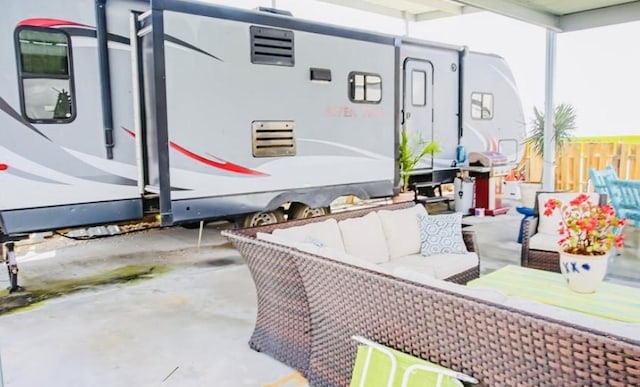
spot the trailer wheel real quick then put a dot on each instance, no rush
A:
(262, 218)
(303, 211)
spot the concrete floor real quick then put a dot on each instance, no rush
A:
(187, 327)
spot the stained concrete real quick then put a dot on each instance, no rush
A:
(186, 327)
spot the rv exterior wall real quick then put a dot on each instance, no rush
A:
(343, 125)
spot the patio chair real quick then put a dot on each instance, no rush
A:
(628, 205)
(378, 365)
(540, 233)
(602, 182)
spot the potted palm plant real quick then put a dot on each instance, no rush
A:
(564, 125)
(410, 152)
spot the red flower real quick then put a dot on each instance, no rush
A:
(587, 229)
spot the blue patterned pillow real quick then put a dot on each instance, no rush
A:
(441, 234)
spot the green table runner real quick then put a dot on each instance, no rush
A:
(611, 301)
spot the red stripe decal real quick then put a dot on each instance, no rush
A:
(225, 165)
(46, 22)
(4, 167)
(131, 133)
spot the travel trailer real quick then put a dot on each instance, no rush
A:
(110, 110)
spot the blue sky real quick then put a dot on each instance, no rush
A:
(598, 70)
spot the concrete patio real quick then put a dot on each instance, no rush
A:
(185, 322)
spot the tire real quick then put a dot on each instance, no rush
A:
(262, 218)
(303, 211)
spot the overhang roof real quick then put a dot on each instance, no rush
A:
(560, 16)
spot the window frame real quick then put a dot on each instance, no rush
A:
(351, 84)
(483, 94)
(22, 76)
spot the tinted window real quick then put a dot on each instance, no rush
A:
(46, 85)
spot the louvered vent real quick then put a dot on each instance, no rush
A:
(272, 46)
(273, 138)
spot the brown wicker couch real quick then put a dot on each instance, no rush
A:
(283, 323)
(310, 306)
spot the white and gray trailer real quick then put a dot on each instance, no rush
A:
(108, 108)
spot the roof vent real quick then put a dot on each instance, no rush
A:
(271, 46)
(274, 11)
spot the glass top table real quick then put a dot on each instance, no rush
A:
(610, 301)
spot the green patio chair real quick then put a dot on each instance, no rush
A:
(380, 366)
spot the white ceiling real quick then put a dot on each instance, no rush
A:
(558, 15)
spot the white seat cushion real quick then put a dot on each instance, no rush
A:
(401, 230)
(410, 274)
(544, 242)
(440, 266)
(363, 237)
(325, 233)
(551, 224)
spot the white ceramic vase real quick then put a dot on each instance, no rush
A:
(583, 272)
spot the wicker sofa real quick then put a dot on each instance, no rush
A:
(310, 306)
(283, 322)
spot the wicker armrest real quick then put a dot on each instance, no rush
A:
(470, 241)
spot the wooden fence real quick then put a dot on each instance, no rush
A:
(575, 159)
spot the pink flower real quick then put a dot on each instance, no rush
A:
(587, 229)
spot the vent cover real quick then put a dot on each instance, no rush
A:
(271, 46)
(273, 138)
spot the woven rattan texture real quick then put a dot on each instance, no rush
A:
(282, 324)
(537, 259)
(497, 345)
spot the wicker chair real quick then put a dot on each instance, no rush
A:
(541, 259)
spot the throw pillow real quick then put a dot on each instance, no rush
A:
(441, 234)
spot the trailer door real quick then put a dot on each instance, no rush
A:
(418, 102)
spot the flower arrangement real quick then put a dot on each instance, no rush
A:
(587, 229)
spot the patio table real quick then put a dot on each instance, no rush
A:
(610, 301)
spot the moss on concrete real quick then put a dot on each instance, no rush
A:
(34, 296)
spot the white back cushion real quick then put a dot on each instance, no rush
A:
(325, 233)
(401, 230)
(364, 238)
(550, 224)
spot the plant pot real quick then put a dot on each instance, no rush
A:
(403, 197)
(583, 273)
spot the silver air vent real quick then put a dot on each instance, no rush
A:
(273, 138)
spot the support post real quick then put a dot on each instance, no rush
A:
(12, 267)
(549, 148)
(406, 24)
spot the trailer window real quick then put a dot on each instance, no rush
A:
(44, 72)
(482, 106)
(365, 88)
(418, 88)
